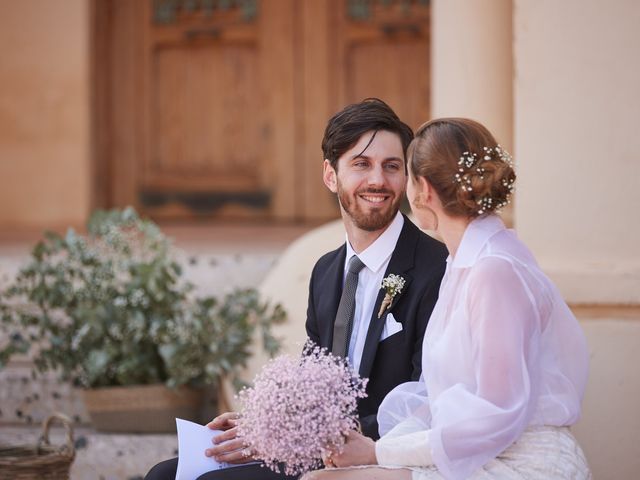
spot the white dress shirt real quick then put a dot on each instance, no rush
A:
(376, 259)
(502, 352)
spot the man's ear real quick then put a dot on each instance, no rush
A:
(329, 176)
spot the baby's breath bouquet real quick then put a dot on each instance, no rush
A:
(300, 409)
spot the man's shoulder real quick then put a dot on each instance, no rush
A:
(329, 258)
(425, 245)
(436, 248)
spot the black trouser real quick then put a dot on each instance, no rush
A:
(167, 471)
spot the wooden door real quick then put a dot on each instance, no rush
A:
(198, 107)
(217, 108)
(355, 49)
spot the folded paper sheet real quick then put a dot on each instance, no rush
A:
(193, 440)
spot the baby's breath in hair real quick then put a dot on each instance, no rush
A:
(470, 164)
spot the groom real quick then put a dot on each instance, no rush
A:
(364, 147)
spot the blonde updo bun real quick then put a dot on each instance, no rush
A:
(462, 161)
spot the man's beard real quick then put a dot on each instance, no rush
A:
(377, 219)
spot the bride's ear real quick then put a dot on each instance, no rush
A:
(425, 189)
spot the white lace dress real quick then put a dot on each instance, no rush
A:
(505, 366)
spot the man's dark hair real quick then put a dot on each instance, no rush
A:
(347, 126)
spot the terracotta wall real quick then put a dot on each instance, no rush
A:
(44, 113)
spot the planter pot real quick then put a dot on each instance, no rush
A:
(141, 408)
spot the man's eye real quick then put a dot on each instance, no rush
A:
(392, 166)
(361, 164)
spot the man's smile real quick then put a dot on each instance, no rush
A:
(375, 198)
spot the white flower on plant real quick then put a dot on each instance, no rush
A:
(120, 302)
(393, 285)
(137, 296)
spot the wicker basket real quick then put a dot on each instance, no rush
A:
(42, 461)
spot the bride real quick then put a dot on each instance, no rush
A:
(504, 360)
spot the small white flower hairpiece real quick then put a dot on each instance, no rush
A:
(471, 161)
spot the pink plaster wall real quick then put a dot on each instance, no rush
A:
(44, 113)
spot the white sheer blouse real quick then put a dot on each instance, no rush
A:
(502, 352)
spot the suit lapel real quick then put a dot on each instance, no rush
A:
(401, 261)
(328, 304)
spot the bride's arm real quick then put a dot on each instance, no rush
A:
(408, 450)
(400, 447)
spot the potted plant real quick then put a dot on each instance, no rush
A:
(110, 310)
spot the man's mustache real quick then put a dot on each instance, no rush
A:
(383, 191)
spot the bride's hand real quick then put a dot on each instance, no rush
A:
(358, 450)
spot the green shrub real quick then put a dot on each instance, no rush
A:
(111, 308)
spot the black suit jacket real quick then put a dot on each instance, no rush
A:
(420, 260)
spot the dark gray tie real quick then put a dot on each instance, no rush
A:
(344, 317)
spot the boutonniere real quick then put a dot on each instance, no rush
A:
(393, 285)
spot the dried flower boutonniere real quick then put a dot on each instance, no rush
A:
(393, 285)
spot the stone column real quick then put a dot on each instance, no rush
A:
(472, 63)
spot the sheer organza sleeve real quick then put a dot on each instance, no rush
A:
(473, 421)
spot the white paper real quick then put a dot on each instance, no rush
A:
(193, 440)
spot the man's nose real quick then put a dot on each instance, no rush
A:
(376, 176)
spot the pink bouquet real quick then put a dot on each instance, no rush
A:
(299, 409)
